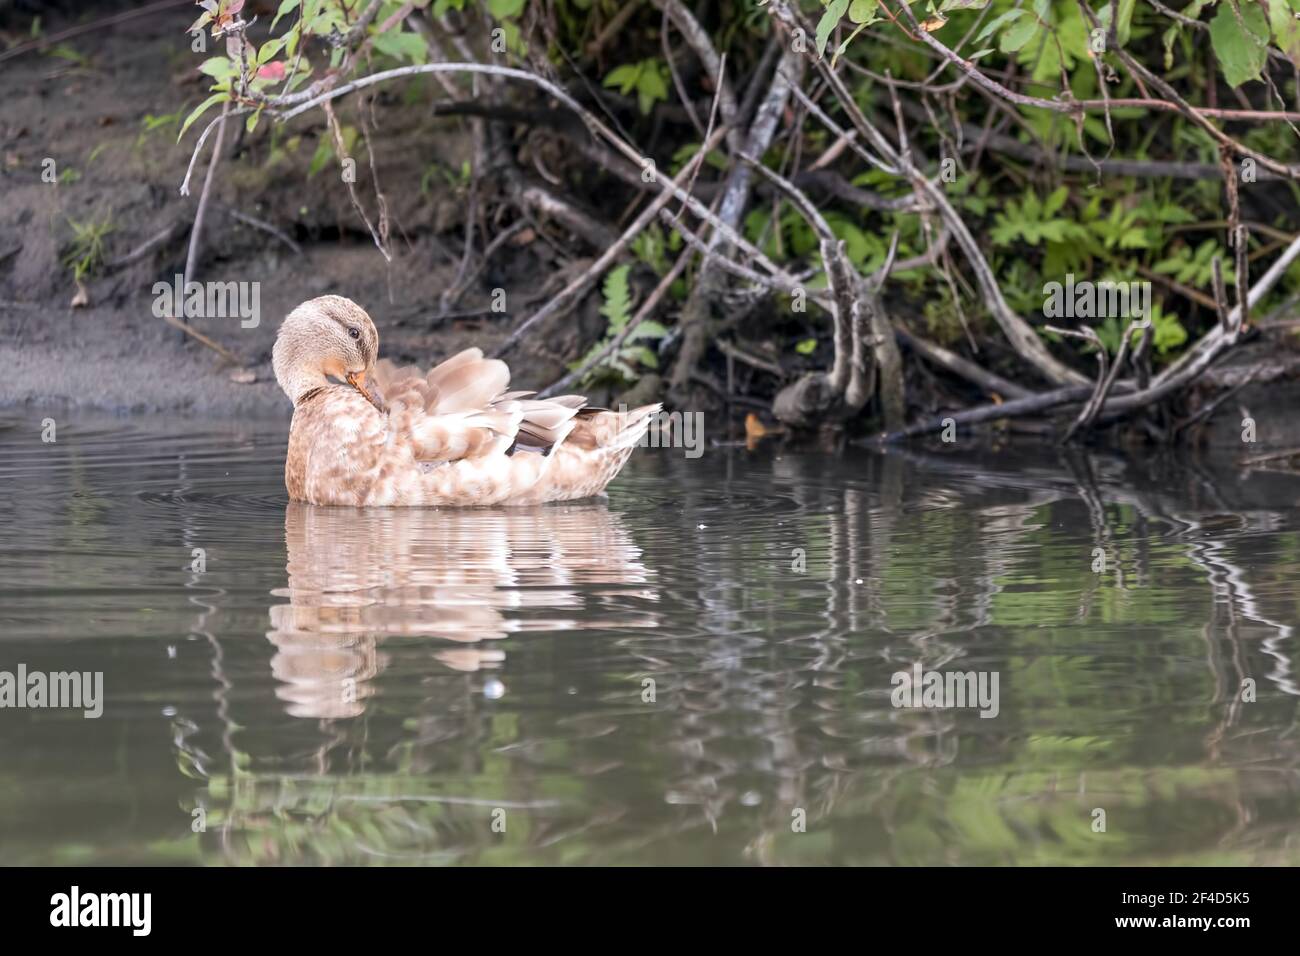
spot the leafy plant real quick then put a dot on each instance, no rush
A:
(85, 254)
(1033, 220)
(648, 79)
(617, 309)
(63, 51)
(1167, 332)
(652, 248)
(1195, 267)
(150, 124)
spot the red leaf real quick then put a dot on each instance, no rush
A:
(271, 71)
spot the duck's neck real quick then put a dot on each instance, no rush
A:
(295, 376)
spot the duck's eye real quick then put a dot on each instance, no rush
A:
(354, 333)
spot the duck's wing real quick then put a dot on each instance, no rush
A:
(462, 409)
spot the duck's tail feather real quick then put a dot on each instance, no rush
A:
(600, 428)
(545, 423)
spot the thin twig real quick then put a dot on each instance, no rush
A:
(602, 262)
(200, 337)
(264, 226)
(173, 231)
(196, 233)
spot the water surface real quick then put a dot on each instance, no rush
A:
(681, 673)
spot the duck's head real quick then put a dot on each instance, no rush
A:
(326, 336)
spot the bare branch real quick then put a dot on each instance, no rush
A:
(602, 262)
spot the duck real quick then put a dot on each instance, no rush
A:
(456, 436)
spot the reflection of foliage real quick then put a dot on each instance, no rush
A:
(1117, 688)
(1106, 703)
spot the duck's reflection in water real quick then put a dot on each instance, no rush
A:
(359, 576)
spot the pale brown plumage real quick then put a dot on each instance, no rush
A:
(452, 437)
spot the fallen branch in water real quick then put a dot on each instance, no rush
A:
(1258, 373)
(1105, 375)
(863, 338)
(1029, 405)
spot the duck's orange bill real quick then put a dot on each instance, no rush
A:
(358, 381)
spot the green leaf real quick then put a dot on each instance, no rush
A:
(285, 7)
(1125, 21)
(269, 50)
(1167, 332)
(1286, 28)
(324, 150)
(200, 110)
(624, 77)
(649, 329)
(806, 347)
(1056, 200)
(839, 50)
(651, 87)
(992, 26)
(1020, 33)
(643, 355)
(1242, 52)
(219, 68)
(402, 46)
(505, 8)
(618, 299)
(863, 11)
(834, 11)
(962, 5)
